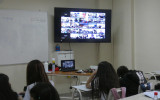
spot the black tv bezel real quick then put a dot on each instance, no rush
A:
(57, 25)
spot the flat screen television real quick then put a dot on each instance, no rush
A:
(82, 25)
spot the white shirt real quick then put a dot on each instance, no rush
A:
(29, 87)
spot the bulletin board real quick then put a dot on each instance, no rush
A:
(23, 36)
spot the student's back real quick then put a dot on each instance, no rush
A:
(103, 80)
(35, 73)
(131, 81)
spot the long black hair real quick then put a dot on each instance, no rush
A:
(44, 91)
(105, 79)
(36, 72)
(6, 92)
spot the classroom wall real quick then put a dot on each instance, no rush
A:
(106, 49)
(147, 29)
(122, 33)
(92, 52)
(136, 34)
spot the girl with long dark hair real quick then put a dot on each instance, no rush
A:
(35, 73)
(44, 91)
(6, 92)
(102, 80)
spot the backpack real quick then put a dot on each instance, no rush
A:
(142, 79)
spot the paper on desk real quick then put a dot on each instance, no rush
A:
(81, 87)
(151, 94)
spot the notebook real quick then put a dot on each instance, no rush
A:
(67, 65)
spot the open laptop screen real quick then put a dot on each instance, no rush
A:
(67, 65)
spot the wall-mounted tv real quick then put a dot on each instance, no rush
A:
(82, 25)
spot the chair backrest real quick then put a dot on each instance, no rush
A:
(150, 75)
(152, 79)
(117, 93)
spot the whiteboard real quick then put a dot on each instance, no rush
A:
(23, 36)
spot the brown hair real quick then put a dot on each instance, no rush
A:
(36, 72)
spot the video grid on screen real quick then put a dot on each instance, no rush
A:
(84, 25)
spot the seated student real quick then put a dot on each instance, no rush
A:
(44, 91)
(6, 92)
(102, 80)
(35, 73)
(121, 71)
(131, 79)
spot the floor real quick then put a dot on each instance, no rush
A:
(66, 96)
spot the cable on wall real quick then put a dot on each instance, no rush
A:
(70, 50)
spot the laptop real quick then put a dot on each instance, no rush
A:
(68, 65)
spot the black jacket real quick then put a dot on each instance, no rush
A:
(131, 81)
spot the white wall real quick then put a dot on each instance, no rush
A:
(122, 33)
(17, 75)
(136, 34)
(106, 49)
(86, 54)
(147, 35)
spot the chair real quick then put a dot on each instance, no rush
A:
(84, 82)
(117, 93)
(151, 76)
(151, 81)
(78, 90)
(114, 93)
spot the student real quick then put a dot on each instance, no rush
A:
(131, 79)
(102, 80)
(6, 92)
(44, 91)
(121, 71)
(35, 73)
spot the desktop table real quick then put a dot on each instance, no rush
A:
(72, 73)
(140, 96)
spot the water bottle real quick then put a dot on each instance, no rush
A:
(53, 64)
(155, 96)
(46, 66)
(57, 47)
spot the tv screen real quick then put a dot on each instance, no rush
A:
(82, 25)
